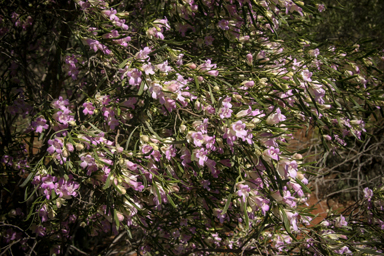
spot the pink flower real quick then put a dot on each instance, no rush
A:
(293, 218)
(239, 129)
(88, 108)
(249, 59)
(206, 184)
(60, 103)
(201, 155)
(223, 24)
(306, 75)
(209, 40)
(320, 7)
(213, 73)
(271, 153)
(225, 113)
(134, 76)
(164, 67)
(130, 103)
(243, 191)
(143, 54)
(314, 53)
(87, 161)
(113, 122)
(198, 139)
(368, 194)
(56, 145)
(341, 222)
(275, 118)
(40, 124)
(66, 188)
(148, 69)
(162, 23)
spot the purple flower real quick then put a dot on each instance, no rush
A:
(320, 7)
(66, 188)
(344, 251)
(209, 40)
(293, 218)
(148, 69)
(164, 67)
(206, 184)
(239, 129)
(185, 156)
(243, 191)
(40, 124)
(48, 183)
(11, 235)
(160, 23)
(198, 139)
(341, 222)
(60, 103)
(56, 145)
(143, 54)
(88, 108)
(43, 213)
(225, 112)
(87, 160)
(271, 153)
(223, 24)
(200, 155)
(63, 116)
(6, 159)
(275, 118)
(249, 59)
(134, 76)
(306, 75)
(368, 194)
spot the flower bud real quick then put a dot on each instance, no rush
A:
(250, 126)
(144, 138)
(79, 146)
(12, 213)
(300, 176)
(182, 128)
(121, 189)
(297, 156)
(65, 153)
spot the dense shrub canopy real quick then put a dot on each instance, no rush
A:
(167, 125)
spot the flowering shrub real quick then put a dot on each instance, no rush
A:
(169, 123)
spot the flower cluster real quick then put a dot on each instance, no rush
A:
(178, 127)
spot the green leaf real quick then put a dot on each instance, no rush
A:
(246, 218)
(33, 172)
(197, 83)
(108, 181)
(171, 201)
(229, 198)
(122, 64)
(129, 138)
(370, 251)
(210, 92)
(157, 191)
(29, 177)
(128, 231)
(303, 186)
(141, 90)
(287, 224)
(116, 219)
